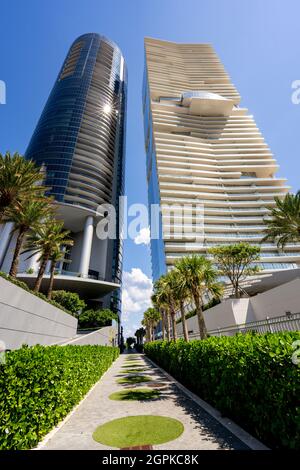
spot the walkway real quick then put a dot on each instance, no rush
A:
(201, 431)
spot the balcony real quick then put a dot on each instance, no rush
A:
(86, 287)
(204, 103)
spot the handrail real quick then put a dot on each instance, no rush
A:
(287, 322)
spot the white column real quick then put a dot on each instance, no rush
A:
(48, 266)
(4, 239)
(86, 246)
(33, 262)
(61, 263)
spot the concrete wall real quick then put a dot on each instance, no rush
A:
(105, 336)
(227, 313)
(231, 312)
(277, 301)
(26, 319)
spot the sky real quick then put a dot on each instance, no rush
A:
(257, 40)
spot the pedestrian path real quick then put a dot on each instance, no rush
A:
(194, 428)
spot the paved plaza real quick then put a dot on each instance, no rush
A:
(201, 431)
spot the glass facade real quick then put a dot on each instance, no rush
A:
(158, 260)
(80, 136)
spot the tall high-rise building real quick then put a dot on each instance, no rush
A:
(80, 140)
(206, 151)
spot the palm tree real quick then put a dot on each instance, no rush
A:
(156, 301)
(145, 323)
(163, 299)
(139, 334)
(25, 215)
(168, 285)
(56, 256)
(198, 276)
(19, 179)
(181, 295)
(151, 318)
(283, 225)
(45, 240)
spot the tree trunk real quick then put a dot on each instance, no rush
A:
(15, 261)
(237, 290)
(173, 316)
(51, 282)
(147, 334)
(40, 275)
(201, 322)
(151, 333)
(2, 211)
(168, 326)
(183, 320)
(163, 324)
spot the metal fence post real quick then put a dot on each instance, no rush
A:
(269, 324)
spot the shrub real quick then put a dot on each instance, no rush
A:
(250, 378)
(139, 348)
(39, 385)
(69, 300)
(96, 318)
(130, 341)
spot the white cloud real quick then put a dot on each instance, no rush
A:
(136, 298)
(143, 238)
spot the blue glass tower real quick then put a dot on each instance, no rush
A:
(80, 140)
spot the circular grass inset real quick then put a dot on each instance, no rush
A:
(135, 358)
(135, 394)
(134, 379)
(133, 371)
(135, 431)
(134, 364)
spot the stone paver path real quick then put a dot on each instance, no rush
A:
(201, 431)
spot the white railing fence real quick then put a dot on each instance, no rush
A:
(287, 322)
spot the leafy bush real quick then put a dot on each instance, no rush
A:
(130, 341)
(249, 378)
(96, 318)
(24, 286)
(69, 300)
(39, 385)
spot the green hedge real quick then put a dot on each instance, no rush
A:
(249, 378)
(39, 385)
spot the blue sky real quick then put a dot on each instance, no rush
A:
(257, 40)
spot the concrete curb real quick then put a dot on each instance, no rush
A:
(235, 429)
(53, 431)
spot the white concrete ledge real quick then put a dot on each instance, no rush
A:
(27, 319)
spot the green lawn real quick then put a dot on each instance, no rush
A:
(134, 379)
(138, 431)
(135, 394)
(134, 364)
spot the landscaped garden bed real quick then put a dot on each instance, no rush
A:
(39, 385)
(250, 378)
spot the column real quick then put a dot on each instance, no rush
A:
(61, 263)
(5, 239)
(48, 267)
(86, 246)
(33, 262)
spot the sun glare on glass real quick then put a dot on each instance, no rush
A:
(107, 109)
